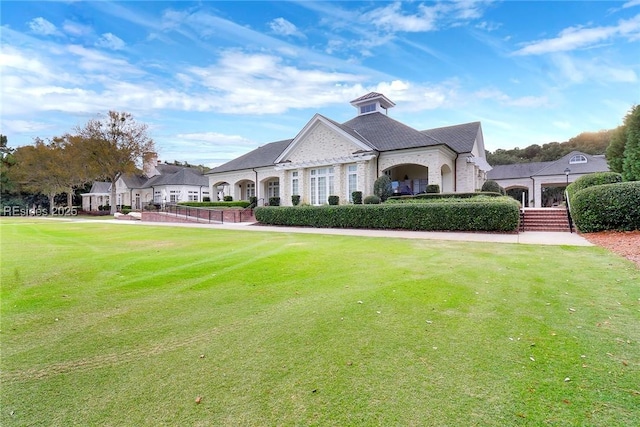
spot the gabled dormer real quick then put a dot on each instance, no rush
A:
(373, 102)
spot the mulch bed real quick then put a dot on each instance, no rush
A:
(624, 243)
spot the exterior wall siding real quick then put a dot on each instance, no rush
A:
(322, 143)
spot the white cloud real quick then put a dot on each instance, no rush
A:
(215, 138)
(580, 37)
(43, 27)
(265, 84)
(110, 41)
(392, 19)
(631, 3)
(76, 29)
(574, 70)
(285, 28)
(23, 126)
(504, 99)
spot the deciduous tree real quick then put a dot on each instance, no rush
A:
(113, 146)
(615, 150)
(41, 168)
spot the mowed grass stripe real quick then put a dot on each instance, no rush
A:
(311, 330)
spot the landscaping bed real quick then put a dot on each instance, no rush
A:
(624, 243)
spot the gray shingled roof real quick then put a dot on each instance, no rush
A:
(387, 134)
(100, 187)
(557, 167)
(460, 138)
(184, 176)
(376, 130)
(262, 156)
(517, 170)
(134, 181)
(368, 96)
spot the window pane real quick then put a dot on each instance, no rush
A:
(322, 189)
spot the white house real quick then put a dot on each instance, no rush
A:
(330, 158)
(160, 184)
(536, 176)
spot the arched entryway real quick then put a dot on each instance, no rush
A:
(408, 178)
(219, 190)
(270, 187)
(521, 194)
(245, 189)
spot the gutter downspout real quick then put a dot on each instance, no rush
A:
(257, 194)
(455, 173)
(533, 188)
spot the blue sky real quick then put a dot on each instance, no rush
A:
(213, 80)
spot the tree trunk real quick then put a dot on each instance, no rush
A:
(70, 198)
(51, 197)
(112, 198)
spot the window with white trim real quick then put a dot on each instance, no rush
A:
(193, 196)
(321, 185)
(352, 180)
(157, 197)
(250, 191)
(174, 196)
(367, 108)
(273, 189)
(295, 182)
(578, 158)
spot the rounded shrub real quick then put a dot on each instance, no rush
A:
(227, 198)
(274, 201)
(295, 199)
(356, 196)
(493, 187)
(433, 189)
(372, 200)
(382, 187)
(607, 207)
(334, 200)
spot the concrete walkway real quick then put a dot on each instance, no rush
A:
(528, 237)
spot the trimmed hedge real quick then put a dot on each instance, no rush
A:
(444, 196)
(478, 197)
(598, 178)
(334, 200)
(489, 215)
(372, 200)
(607, 207)
(239, 204)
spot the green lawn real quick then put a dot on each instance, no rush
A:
(116, 325)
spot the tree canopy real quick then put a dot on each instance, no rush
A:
(112, 147)
(586, 142)
(103, 149)
(631, 161)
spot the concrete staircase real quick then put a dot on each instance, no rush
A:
(547, 219)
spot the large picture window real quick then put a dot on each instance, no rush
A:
(352, 180)
(295, 184)
(321, 185)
